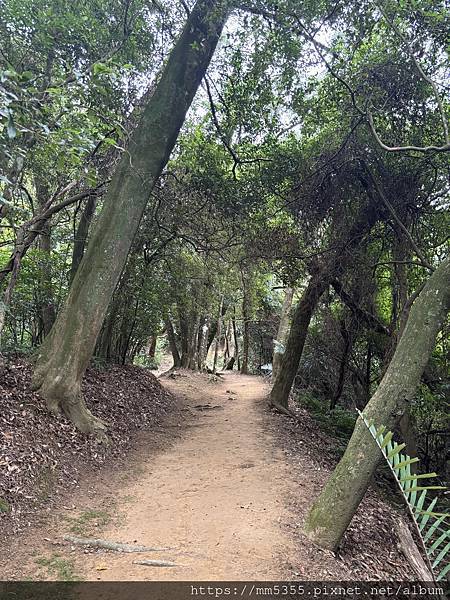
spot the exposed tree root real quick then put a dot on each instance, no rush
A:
(411, 552)
(155, 563)
(108, 545)
(283, 409)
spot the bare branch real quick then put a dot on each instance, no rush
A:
(397, 219)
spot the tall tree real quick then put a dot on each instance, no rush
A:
(333, 510)
(64, 356)
(320, 280)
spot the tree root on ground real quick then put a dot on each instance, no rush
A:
(283, 409)
(108, 545)
(155, 563)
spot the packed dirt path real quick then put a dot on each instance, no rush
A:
(213, 490)
(215, 496)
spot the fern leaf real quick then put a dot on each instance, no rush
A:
(410, 461)
(416, 488)
(433, 527)
(433, 537)
(441, 555)
(443, 573)
(397, 448)
(421, 476)
(427, 515)
(420, 502)
(387, 439)
(438, 542)
(413, 492)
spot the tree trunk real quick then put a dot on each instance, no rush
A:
(246, 322)
(409, 434)
(318, 283)
(279, 396)
(81, 235)
(399, 289)
(47, 301)
(47, 304)
(213, 329)
(152, 346)
(201, 343)
(283, 329)
(173, 344)
(219, 334)
(347, 339)
(184, 336)
(236, 341)
(64, 356)
(336, 505)
(227, 351)
(194, 344)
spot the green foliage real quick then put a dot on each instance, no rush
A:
(431, 526)
(4, 506)
(86, 521)
(62, 568)
(340, 422)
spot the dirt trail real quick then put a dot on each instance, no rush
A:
(216, 496)
(213, 490)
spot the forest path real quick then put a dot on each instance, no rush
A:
(210, 483)
(215, 495)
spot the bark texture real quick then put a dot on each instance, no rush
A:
(47, 304)
(333, 510)
(64, 356)
(283, 330)
(81, 235)
(219, 335)
(246, 311)
(279, 395)
(173, 344)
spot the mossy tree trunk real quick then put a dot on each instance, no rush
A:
(64, 356)
(333, 510)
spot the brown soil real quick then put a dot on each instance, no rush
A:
(214, 484)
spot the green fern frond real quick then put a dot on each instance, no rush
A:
(431, 526)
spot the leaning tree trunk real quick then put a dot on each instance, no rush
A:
(336, 505)
(319, 282)
(279, 396)
(65, 355)
(282, 333)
